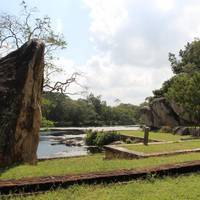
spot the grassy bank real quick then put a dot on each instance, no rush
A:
(180, 188)
(94, 163)
(155, 135)
(155, 148)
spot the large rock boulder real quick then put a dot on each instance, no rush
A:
(21, 80)
(147, 116)
(161, 112)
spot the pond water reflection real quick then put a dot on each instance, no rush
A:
(47, 148)
(50, 146)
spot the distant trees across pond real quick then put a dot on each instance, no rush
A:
(61, 110)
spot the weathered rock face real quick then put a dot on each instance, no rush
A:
(147, 116)
(163, 113)
(21, 80)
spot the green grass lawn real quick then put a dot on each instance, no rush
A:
(94, 163)
(155, 148)
(155, 135)
(168, 188)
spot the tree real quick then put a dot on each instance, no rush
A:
(161, 92)
(184, 88)
(185, 91)
(16, 30)
(92, 111)
(125, 114)
(188, 63)
(189, 59)
(96, 102)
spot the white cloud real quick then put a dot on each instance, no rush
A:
(164, 5)
(129, 65)
(187, 21)
(131, 84)
(133, 39)
(107, 16)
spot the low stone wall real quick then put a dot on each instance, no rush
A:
(135, 139)
(115, 152)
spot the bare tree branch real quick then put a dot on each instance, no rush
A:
(63, 86)
(16, 30)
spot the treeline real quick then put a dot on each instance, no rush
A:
(61, 110)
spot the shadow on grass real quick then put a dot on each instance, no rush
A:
(5, 169)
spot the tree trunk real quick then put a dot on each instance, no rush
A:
(21, 80)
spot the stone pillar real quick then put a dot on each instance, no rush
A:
(21, 83)
(146, 135)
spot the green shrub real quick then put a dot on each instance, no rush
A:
(90, 138)
(46, 123)
(128, 141)
(104, 138)
(101, 138)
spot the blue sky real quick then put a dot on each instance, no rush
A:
(70, 16)
(121, 46)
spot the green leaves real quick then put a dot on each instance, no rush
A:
(189, 59)
(91, 111)
(101, 138)
(185, 91)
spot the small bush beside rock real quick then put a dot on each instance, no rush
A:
(90, 137)
(94, 138)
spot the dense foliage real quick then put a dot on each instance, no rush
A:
(92, 111)
(188, 63)
(47, 123)
(189, 59)
(185, 91)
(184, 87)
(94, 138)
